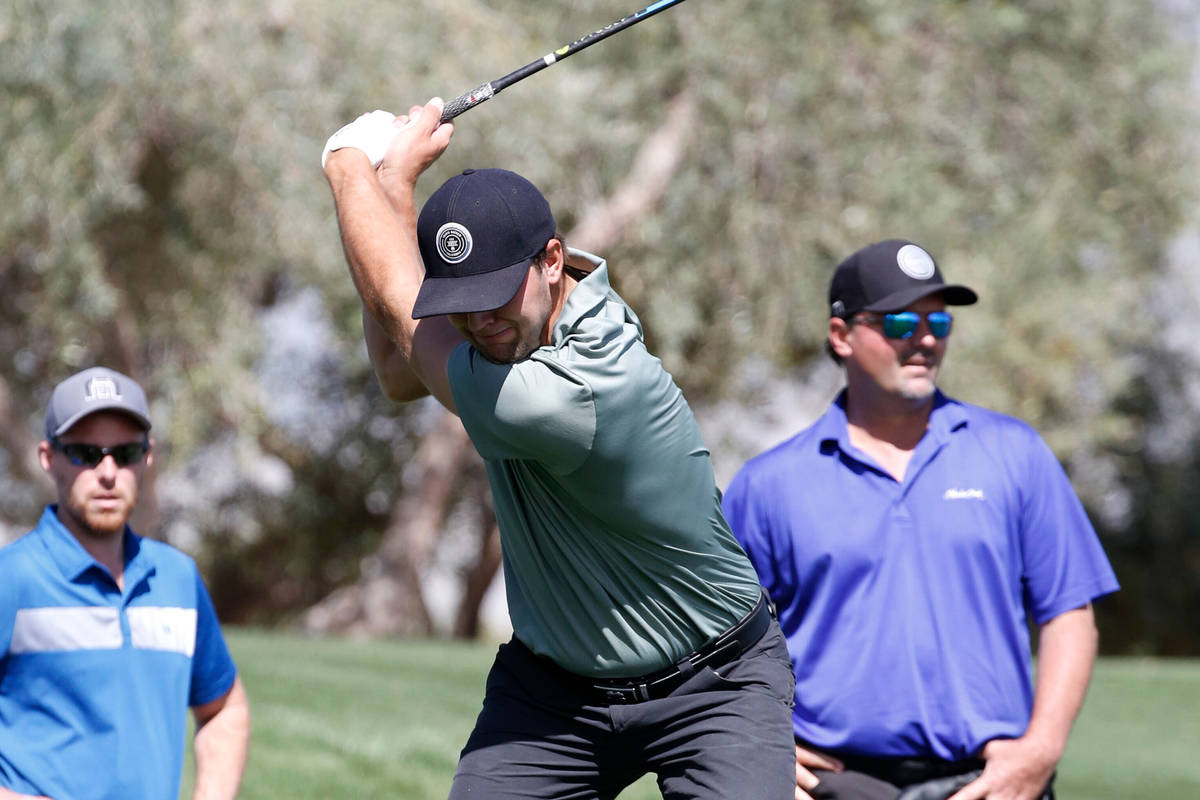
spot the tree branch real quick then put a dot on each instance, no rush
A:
(644, 185)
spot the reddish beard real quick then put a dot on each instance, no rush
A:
(102, 522)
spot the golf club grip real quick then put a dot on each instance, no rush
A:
(485, 92)
(466, 100)
(469, 100)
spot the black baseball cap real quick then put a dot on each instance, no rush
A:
(478, 233)
(888, 276)
(94, 389)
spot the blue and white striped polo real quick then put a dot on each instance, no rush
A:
(95, 682)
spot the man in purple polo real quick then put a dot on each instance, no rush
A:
(908, 540)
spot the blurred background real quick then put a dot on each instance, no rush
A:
(164, 214)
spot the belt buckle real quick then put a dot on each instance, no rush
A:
(625, 694)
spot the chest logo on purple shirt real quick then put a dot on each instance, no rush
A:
(963, 494)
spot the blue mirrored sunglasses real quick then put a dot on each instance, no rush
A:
(89, 455)
(903, 324)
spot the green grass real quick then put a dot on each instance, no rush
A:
(1137, 734)
(336, 718)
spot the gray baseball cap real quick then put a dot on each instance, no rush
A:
(94, 389)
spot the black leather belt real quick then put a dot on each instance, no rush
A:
(904, 771)
(923, 778)
(717, 653)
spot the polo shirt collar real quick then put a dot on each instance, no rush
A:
(70, 557)
(948, 414)
(946, 417)
(590, 293)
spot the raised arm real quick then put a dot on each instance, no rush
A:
(396, 378)
(378, 230)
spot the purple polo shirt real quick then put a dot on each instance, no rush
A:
(906, 604)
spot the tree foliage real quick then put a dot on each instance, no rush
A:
(166, 215)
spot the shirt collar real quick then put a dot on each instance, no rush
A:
(588, 295)
(948, 414)
(946, 417)
(68, 554)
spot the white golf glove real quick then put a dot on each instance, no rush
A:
(371, 133)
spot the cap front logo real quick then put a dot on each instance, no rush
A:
(453, 243)
(101, 389)
(915, 262)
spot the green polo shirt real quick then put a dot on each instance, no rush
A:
(617, 558)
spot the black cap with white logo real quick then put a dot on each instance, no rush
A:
(888, 276)
(478, 233)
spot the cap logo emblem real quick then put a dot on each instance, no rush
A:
(101, 389)
(915, 262)
(453, 243)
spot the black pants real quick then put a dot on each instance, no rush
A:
(722, 734)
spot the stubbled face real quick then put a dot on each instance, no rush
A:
(96, 501)
(510, 333)
(904, 368)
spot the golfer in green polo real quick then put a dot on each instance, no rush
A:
(642, 642)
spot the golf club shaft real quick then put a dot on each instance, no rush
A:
(485, 92)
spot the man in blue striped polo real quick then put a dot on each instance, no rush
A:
(106, 638)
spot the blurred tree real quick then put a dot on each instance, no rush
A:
(163, 210)
(166, 216)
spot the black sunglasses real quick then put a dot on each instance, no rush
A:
(89, 455)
